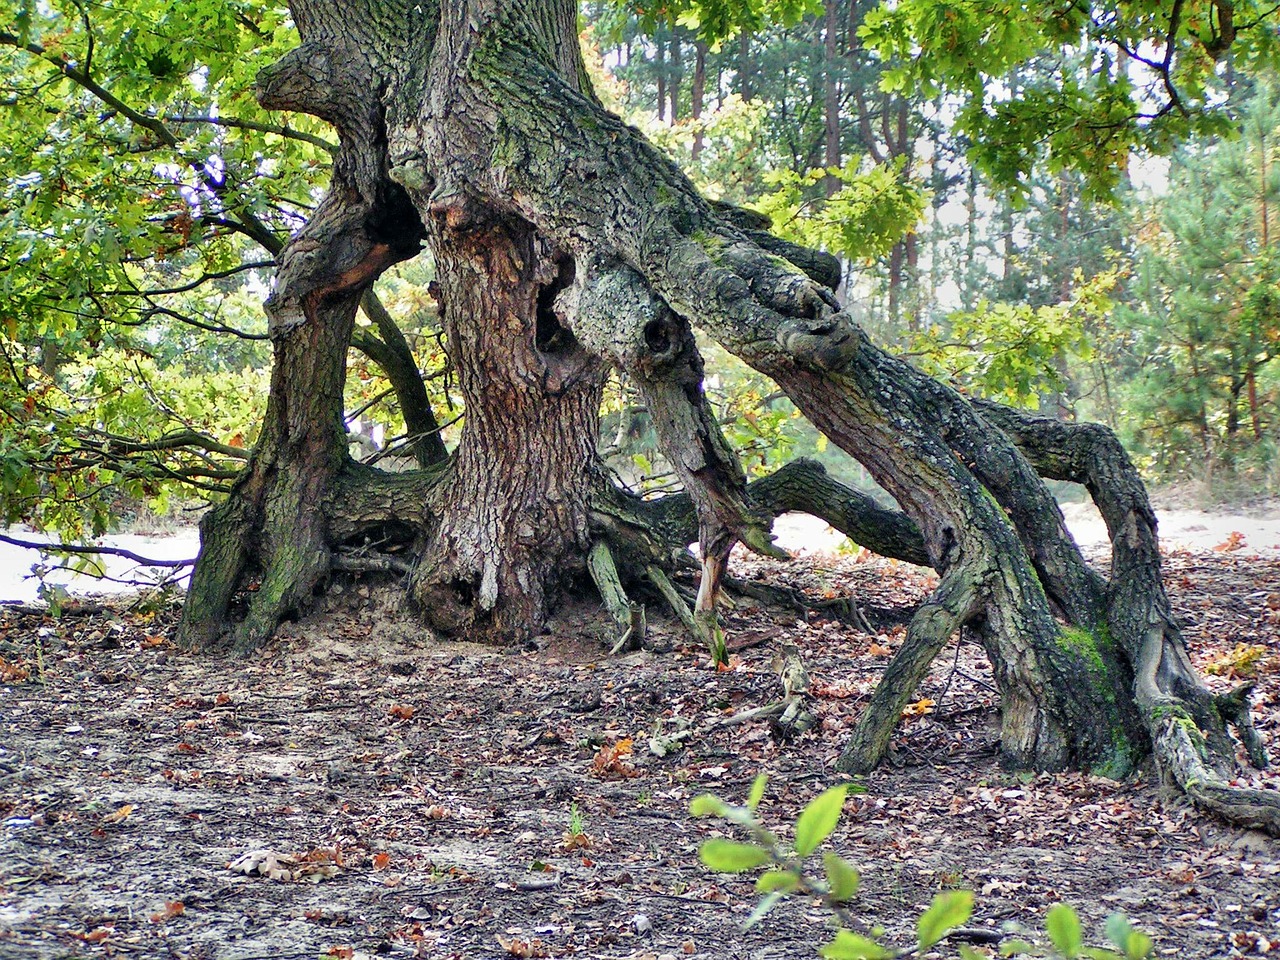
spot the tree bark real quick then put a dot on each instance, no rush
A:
(513, 520)
(563, 241)
(269, 537)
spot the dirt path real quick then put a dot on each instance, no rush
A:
(447, 776)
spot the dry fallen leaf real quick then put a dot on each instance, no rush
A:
(314, 866)
(919, 708)
(611, 760)
(380, 861)
(575, 841)
(120, 815)
(1234, 541)
(173, 908)
(524, 948)
(879, 650)
(13, 672)
(401, 712)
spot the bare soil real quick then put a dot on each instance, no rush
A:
(441, 784)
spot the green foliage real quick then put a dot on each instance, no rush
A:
(114, 432)
(1014, 353)
(819, 818)
(726, 856)
(948, 911)
(1204, 327)
(874, 207)
(1153, 76)
(842, 878)
(1066, 936)
(847, 945)
(143, 193)
(788, 875)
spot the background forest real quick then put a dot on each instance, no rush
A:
(140, 224)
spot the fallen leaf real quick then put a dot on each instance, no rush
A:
(1234, 541)
(611, 760)
(173, 908)
(120, 815)
(13, 672)
(401, 712)
(524, 948)
(919, 708)
(380, 861)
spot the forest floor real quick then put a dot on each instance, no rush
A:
(451, 800)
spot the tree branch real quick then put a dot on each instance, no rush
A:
(90, 550)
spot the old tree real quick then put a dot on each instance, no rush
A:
(565, 244)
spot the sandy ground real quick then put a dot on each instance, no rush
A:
(1180, 528)
(18, 583)
(433, 788)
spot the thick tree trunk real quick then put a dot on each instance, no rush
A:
(514, 513)
(269, 537)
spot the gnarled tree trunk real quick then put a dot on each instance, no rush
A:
(513, 516)
(563, 241)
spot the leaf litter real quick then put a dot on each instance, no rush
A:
(155, 803)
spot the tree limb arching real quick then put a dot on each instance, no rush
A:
(272, 526)
(1069, 697)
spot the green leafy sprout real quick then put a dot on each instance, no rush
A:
(787, 873)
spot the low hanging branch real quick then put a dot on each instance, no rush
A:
(96, 550)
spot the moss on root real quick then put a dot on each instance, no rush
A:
(1085, 644)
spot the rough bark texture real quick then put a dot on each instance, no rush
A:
(269, 536)
(564, 241)
(514, 515)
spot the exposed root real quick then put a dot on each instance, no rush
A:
(627, 616)
(1184, 721)
(933, 625)
(662, 583)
